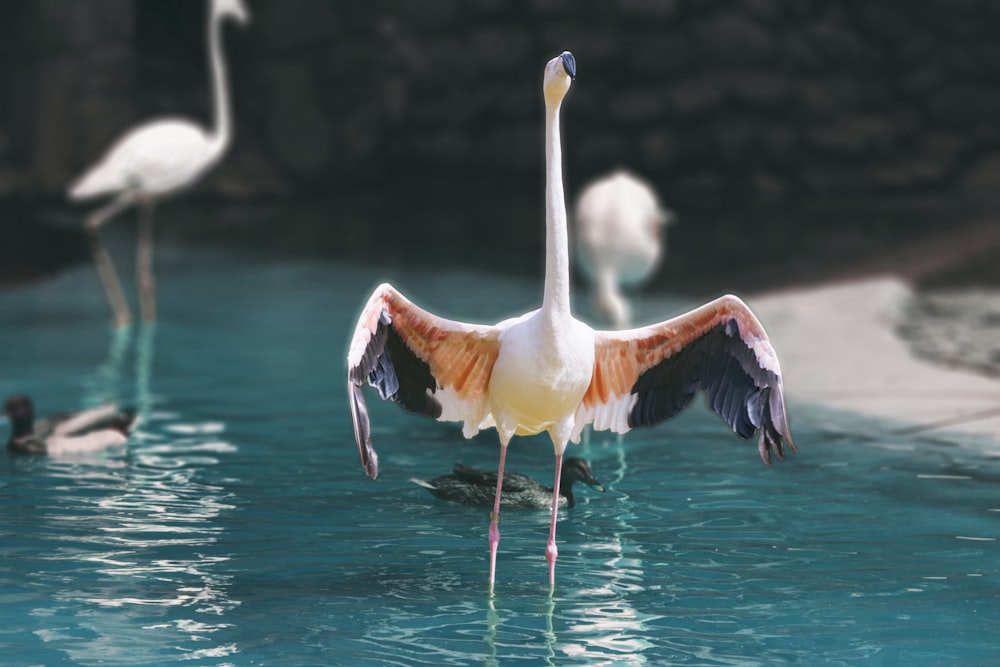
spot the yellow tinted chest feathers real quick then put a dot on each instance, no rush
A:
(542, 372)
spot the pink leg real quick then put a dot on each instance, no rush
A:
(495, 518)
(551, 552)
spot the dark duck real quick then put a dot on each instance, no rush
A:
(80, 432)
(472, 486)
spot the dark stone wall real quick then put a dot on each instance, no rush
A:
(66, 88)
(752, 100)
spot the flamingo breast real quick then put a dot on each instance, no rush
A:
(541, 373)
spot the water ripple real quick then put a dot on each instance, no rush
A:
(237, 527)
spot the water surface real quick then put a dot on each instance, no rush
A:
(237, 528)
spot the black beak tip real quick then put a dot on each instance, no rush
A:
(569, 64)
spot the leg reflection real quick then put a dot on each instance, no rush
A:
(492, 623)
(144, 370)
(550, 633)
(111, 381)
(106, 383)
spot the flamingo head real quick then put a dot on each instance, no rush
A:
(235, 9)
(559, 74)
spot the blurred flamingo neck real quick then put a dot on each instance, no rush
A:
(222, 131)
(556, 296)
(611, 300)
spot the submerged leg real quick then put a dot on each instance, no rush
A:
(105, 268)
(551, 552)
(144, 265)
(495, 517)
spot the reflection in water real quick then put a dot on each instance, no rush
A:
(145, 553)
(109, 382)
(144, 371)
(492, 621)
(609, 628)
(596, 624)
(179, 551)
(550, 633)
(105, 383)
(135, 539)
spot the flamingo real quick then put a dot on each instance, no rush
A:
(546, 371)
(82, 432)
(152, 161)
(619, 230)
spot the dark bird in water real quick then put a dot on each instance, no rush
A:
(472, 486)
(79, 432)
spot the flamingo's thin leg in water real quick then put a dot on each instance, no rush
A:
(105, 267)
(495, 517)
(144, 264)
(551, 551)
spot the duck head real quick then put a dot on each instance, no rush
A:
(575, 469)
(21, 412)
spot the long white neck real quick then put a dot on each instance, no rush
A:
(555, 300)
(222, 131)
(611, 300)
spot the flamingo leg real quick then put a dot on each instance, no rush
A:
(495, 517)
(105, 267)
(110, 210)
(144, 265)
(551, 552)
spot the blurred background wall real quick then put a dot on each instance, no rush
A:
(762, 119)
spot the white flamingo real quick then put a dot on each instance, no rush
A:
(154, 160)
(546, 371)
(619, 238)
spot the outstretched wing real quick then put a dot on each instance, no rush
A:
(647, 375)
(427, 364)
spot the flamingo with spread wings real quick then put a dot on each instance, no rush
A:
(548, 372)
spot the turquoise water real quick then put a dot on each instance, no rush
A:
(238, 528)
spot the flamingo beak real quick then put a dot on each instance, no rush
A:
(569, 64)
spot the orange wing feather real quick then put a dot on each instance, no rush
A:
(622, 356)
(427, 364)
(691, 351)
(460, 356)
